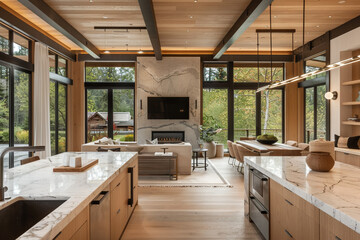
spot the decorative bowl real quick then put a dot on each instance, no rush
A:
(268, 142)
(320, 161)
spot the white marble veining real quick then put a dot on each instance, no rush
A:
(170, 77)
(38, 181)
(336, 193)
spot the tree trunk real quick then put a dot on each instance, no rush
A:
(266, 110)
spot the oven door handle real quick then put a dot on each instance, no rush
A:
(261, 209)
(259, 175)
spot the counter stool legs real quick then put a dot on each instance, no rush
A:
(205, 161)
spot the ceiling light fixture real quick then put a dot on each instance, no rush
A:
(330, 16)
(313, 73)
(140, 51)
(190, 16)
(342, 1)
(195, 1)
(105, 17)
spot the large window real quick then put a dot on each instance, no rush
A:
(215, 111)
(58, 103)
(230, 91)
(110, 108)
(315, 105)
(15, 127)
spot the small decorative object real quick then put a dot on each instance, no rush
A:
(320, 161)
(207, 136)
(331, 95)
(266, 139)
(358, 98)
(355, 118)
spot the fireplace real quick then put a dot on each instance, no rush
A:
(168, 136)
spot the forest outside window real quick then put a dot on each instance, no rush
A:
(4, 40)
(58, 103)
(110, 107)
(21, 47)
(252, 113)
(215, 73)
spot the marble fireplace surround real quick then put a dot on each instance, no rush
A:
(170, 77)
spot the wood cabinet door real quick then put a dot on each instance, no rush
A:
(330, 228)
(118, 209)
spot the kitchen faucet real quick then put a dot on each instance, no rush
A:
(13, 149)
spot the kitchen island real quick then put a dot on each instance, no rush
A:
(303, 204)
(38, 181)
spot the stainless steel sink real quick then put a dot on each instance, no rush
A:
(21, 215)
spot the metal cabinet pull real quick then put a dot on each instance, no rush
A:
(118, 184)
(286, 231)
(258, 205)
(337, 238)
(118, 211)
(97, 201)
(131, 199)
(289, 202)
(57, 235)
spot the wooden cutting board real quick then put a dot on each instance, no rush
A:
(78, 169)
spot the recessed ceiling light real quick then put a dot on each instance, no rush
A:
(275, 16)
(187, 30)
(105, 17)
(317, 26)
(342, 1)
(107, 51)
(90, 0)
(330, 16)
(190, 16)
(195, 1)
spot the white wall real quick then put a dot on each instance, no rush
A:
(170, 77)
(340, 48)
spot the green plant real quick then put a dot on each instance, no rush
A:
(266, 137)
(207, 133)
(22, 136)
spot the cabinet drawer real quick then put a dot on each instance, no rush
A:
(119, 178)
(292, 215)
(118, 210)
(77, 227)
(331, 229)
(348, 158)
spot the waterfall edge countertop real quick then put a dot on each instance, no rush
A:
(336, 193)
(38, 181)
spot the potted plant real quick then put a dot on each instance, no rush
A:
(207, 135)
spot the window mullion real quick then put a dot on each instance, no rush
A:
(56, 117)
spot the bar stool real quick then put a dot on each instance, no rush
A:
(195, 158)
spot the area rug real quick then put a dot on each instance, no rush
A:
(198, 178)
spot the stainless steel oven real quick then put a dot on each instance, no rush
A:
(259, 187)
(259, 202)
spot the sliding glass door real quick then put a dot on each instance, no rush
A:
(244, 113)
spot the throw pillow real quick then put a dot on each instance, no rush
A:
(155, 141)
(347, 142)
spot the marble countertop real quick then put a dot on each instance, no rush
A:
(38, 181)
(336, 193)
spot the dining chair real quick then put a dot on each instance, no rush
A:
(244, 152)
(237, 155)
(231, 153)
(29, 160)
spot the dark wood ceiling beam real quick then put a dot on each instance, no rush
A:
(15, 23)
(251, 13)
(147, 10)
(49, 15)
(207, 58)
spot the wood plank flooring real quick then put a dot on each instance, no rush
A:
(192, 212)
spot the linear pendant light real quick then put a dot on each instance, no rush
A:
(306, 75)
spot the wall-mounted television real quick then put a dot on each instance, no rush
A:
(168, 108)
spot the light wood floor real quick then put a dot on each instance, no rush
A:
(192, 213)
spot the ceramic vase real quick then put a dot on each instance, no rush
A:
(211, 147)
(320, 161)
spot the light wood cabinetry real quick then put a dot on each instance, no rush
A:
(77, 229)
(119, 202)
(291, 216)
(330, 228)
(348, 158)
(119, 198)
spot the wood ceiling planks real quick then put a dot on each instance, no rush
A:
(186, 25)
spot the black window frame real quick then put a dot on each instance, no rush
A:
(59, 79)
(314, 83)
(13, 63)
(230, 85)
(109, 86)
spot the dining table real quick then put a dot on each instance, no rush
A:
(276, 149)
